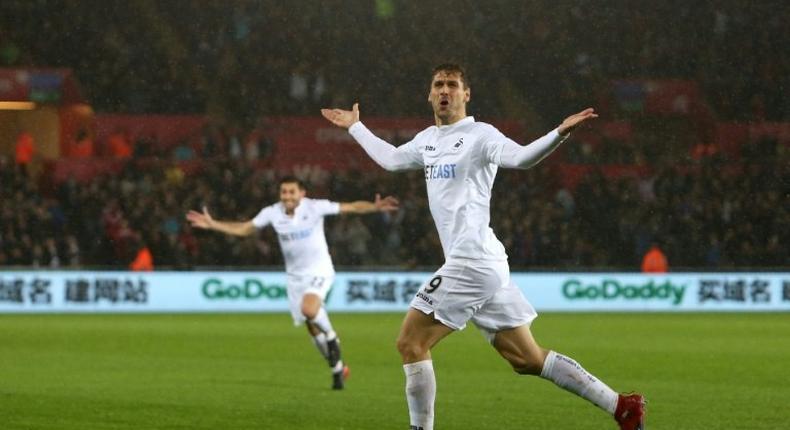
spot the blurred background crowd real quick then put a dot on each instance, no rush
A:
(700, 219)
(248, 58)
(240, 61)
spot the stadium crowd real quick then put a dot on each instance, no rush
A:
(252, 58)
(244, 60)
(701, 218)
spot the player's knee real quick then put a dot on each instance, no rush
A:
(309, 312)
(409, 350)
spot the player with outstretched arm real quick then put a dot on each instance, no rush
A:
(299, 223)
(460, 157)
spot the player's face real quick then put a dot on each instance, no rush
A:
(448, 97)
(290, 195)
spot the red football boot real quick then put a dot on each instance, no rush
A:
(630, 412)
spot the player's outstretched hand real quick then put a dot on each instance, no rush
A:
(387, 204)
(342, 118)
(200, 220)
(575, 120)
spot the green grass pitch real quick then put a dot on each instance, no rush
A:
(252, 371)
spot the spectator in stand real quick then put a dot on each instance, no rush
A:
(72, 252)
(654, 260)
(119, 144)
(707, 217)
(83, 145)
(143, 260)
(52, 253)
(25, 150)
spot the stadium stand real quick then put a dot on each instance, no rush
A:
(196, 101)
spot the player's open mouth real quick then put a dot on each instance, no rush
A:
(444, 102)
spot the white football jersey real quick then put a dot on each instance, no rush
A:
(301, 236)
(460, 162)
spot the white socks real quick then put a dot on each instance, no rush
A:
(320, 342)
(323, 340)
(420, 393)
(568, 374)
(321, 321)
(562, 370)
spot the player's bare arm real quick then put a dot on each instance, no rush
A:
(386, 204)
(205, 221)
(570, 123)
(342, 118)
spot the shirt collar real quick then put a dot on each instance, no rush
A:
(466, 120)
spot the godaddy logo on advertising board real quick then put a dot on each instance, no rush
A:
(611, 289)
(250, 289)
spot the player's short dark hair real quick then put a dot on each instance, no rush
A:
(292, 180)
(452, 68)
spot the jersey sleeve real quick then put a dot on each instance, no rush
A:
(384, 154)
(492, 146)
(504, 152)
(410, 152)
(263, 218)
(326, 207)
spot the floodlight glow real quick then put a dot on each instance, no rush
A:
(17, 105)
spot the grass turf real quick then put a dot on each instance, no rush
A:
(699, 371)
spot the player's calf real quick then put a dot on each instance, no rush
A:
(333, 348)
(339, 370)
(525, 365)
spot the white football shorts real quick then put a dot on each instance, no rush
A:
(299, 285)
(464, 289)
